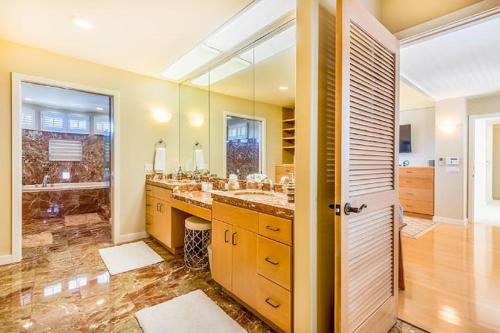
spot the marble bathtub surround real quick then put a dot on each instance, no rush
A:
(50, 204)
(36, 164)
(79, 219)
(35, 240)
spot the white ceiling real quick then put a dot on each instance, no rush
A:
(461, 63)
(65, 99)
(138, 36)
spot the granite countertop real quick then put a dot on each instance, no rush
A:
(175, 185)
(198, 198)
(275, 204)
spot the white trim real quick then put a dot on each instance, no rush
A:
(458, 19)
(132, 237)
(7, 259)
(262, 150)
(442, 219)
(17, 80)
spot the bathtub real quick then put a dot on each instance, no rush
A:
(65, 187)
(61, 199)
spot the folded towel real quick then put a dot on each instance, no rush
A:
(199, 160)
(160, 163)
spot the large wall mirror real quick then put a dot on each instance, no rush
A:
(237, 116)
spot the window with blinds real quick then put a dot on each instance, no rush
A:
(28, 119)
(65, 151)
(102, 125)
(52, 121)
(78, 124)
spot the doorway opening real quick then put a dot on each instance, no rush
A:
(244, 145)
(64, 165)
(484, 169)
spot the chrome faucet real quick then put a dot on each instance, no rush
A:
(45, 181)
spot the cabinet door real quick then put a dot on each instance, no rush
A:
(222, 253)
(244, 265)
(150, 209)
(162, 229)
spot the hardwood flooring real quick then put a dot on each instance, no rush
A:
(453, 279)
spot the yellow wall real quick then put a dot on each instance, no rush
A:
(398, 15)
(139, 129)
(196, 101)
(495, 163)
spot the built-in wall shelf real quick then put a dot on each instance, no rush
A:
(288, 136)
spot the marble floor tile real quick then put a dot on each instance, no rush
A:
(67, 288)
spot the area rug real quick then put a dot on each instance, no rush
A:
(127, 257)
(193, 312)
(416, 227)
(81, 219)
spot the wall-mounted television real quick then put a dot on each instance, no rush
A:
(405, 138)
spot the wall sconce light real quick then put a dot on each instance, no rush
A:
(448, 127)
(161, 116)
(195, 120)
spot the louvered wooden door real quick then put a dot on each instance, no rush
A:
(367, 173)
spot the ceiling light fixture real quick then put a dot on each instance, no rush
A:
(82, 23)
(274, 45)
(234, 65)
(248, 22)
(241, 27)
(283, 88)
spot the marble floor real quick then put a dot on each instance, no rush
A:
(65, 287)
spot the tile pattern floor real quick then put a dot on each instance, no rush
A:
(65, 287)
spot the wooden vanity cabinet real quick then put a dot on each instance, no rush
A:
(161, 224)
(252, 259)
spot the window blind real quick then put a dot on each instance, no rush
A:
(65, 150)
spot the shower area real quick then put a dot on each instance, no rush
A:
(66, 167)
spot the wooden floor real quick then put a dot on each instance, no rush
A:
(453, 279)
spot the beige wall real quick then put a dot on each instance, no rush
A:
(495, 163)
(210, 134)
(139, 94)
(451, 141)
(484, 105)
(398, 15)
(422, 135)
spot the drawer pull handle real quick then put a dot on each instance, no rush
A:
(272, 303)
(233, 238)
(225, 236)
(268, 227)
(148, 190)
(269, 260)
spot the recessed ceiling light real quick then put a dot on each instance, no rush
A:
(283, 88)
(82, 23)
(99, 108)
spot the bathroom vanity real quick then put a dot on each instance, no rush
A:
(252, 241)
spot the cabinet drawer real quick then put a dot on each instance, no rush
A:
(415, 206)
(423, 173)
(275, 228)
(274, 261)
(416, 183)
(241, 217)
(274, 303)
(162, 193)
(420, 194)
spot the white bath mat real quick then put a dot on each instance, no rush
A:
(123, 258)
(416, 227)
(193, 312)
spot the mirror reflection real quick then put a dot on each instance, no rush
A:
(237, 118)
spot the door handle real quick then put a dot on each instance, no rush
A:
(233, 238)
(348, 209)
(225, 236)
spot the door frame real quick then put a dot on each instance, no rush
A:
(17, 80)
(262, 150)
(472, 156)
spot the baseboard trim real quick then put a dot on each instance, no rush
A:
(132, 237)
(442, 219)
(7, 259)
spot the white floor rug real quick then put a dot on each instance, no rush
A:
(416, 227)
(123, 258)
(190, 313)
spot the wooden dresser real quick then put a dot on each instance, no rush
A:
(416, 190)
